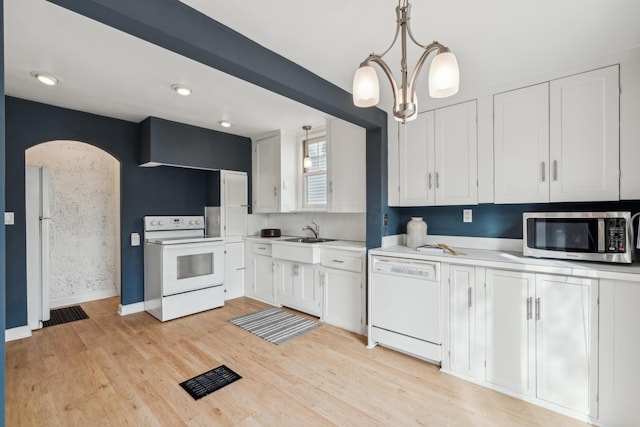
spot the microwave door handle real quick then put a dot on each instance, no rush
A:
(601, 235)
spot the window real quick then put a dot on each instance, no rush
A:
(315, 177)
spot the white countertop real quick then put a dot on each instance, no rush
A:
(347, 245)
(516, 261)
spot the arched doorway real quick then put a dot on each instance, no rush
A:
(84, 241)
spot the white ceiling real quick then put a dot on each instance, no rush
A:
(105, 71)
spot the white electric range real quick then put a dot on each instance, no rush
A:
(183, 268)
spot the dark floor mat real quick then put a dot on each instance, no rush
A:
(65, 315)
(209, 382)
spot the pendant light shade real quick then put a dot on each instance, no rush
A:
(444, 75)
(366, 88)
(307, 162)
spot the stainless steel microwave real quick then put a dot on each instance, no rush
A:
(584, 236)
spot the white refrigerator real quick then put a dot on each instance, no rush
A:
(40, 234)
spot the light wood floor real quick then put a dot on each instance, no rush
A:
(118, 371)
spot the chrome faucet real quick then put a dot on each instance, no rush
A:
(315, 230)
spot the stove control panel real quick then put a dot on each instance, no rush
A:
(160, 223)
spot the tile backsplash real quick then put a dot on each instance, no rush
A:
(344, 226)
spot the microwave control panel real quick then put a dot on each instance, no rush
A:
(616, 235)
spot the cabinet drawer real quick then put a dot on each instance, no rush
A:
(341, 261)
(261, 249)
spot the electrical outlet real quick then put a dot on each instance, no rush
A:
(135, 239)
(9, 218)
(386, 220)
(467, 215)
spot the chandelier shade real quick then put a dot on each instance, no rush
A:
(444, 75)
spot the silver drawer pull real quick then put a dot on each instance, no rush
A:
(338, 261)
(262, 249)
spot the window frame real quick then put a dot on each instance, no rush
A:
(318, 136)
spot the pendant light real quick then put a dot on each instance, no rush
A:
(444, 75)
(307, 162)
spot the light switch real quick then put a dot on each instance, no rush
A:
(9, 218)
(467, 215)
(135, 239)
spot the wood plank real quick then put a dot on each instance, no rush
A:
(113, 370)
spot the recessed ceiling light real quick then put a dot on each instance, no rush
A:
(225, 123)
(181, 90)
(46, 79)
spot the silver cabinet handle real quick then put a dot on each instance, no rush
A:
(339, 261)
(542, 172)
(330, 186)
(555, 170)
(437, 180)
(538, 308)
(275, 191)
(430, 186)
(469, 296)
(529, 308)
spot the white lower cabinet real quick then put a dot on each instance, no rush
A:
(343, 296)
(462, 319)
(262, 273)
(297, 286)
(541, 337)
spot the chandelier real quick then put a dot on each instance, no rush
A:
(444, 76)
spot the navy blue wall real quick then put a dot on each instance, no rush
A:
(489, 220)
(2, 206)
(144, 191)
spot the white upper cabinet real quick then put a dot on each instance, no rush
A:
(274, 173)
(559, 141)
(347, 177)
(521, 145)
(584, 136)
(456, 155)
(438, 156)
(416, 151)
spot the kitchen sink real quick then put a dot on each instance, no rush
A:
(309, 240)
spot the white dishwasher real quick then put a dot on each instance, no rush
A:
(405, 306)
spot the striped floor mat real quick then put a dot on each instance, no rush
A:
(275, 325)
(65, 315)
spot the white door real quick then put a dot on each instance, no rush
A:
(564, 340)
(456, 155)
(263, 278)
(509, 331)
(233, 203)
(309, 292)
(342, 299)
(347, 152)
(416, 163)
(234, 270)
(266, 176)
(585, 136)
(286, 272)
(521, 145)
(461, 317)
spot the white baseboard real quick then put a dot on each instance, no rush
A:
(17, 333)
(137, 307)
(77, 299)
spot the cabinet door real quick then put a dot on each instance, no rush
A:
(461, 318)
(342, 299)
(416, 162)
(456, 155)
(521, 145)
(584, 134)
(286, 273)
(309, 295)
(263, 278)
(509, 333)
(347, 186)
(233, 203)
(234, 270)
(266, 175)
(565, 340)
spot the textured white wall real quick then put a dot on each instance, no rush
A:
(85, 185)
